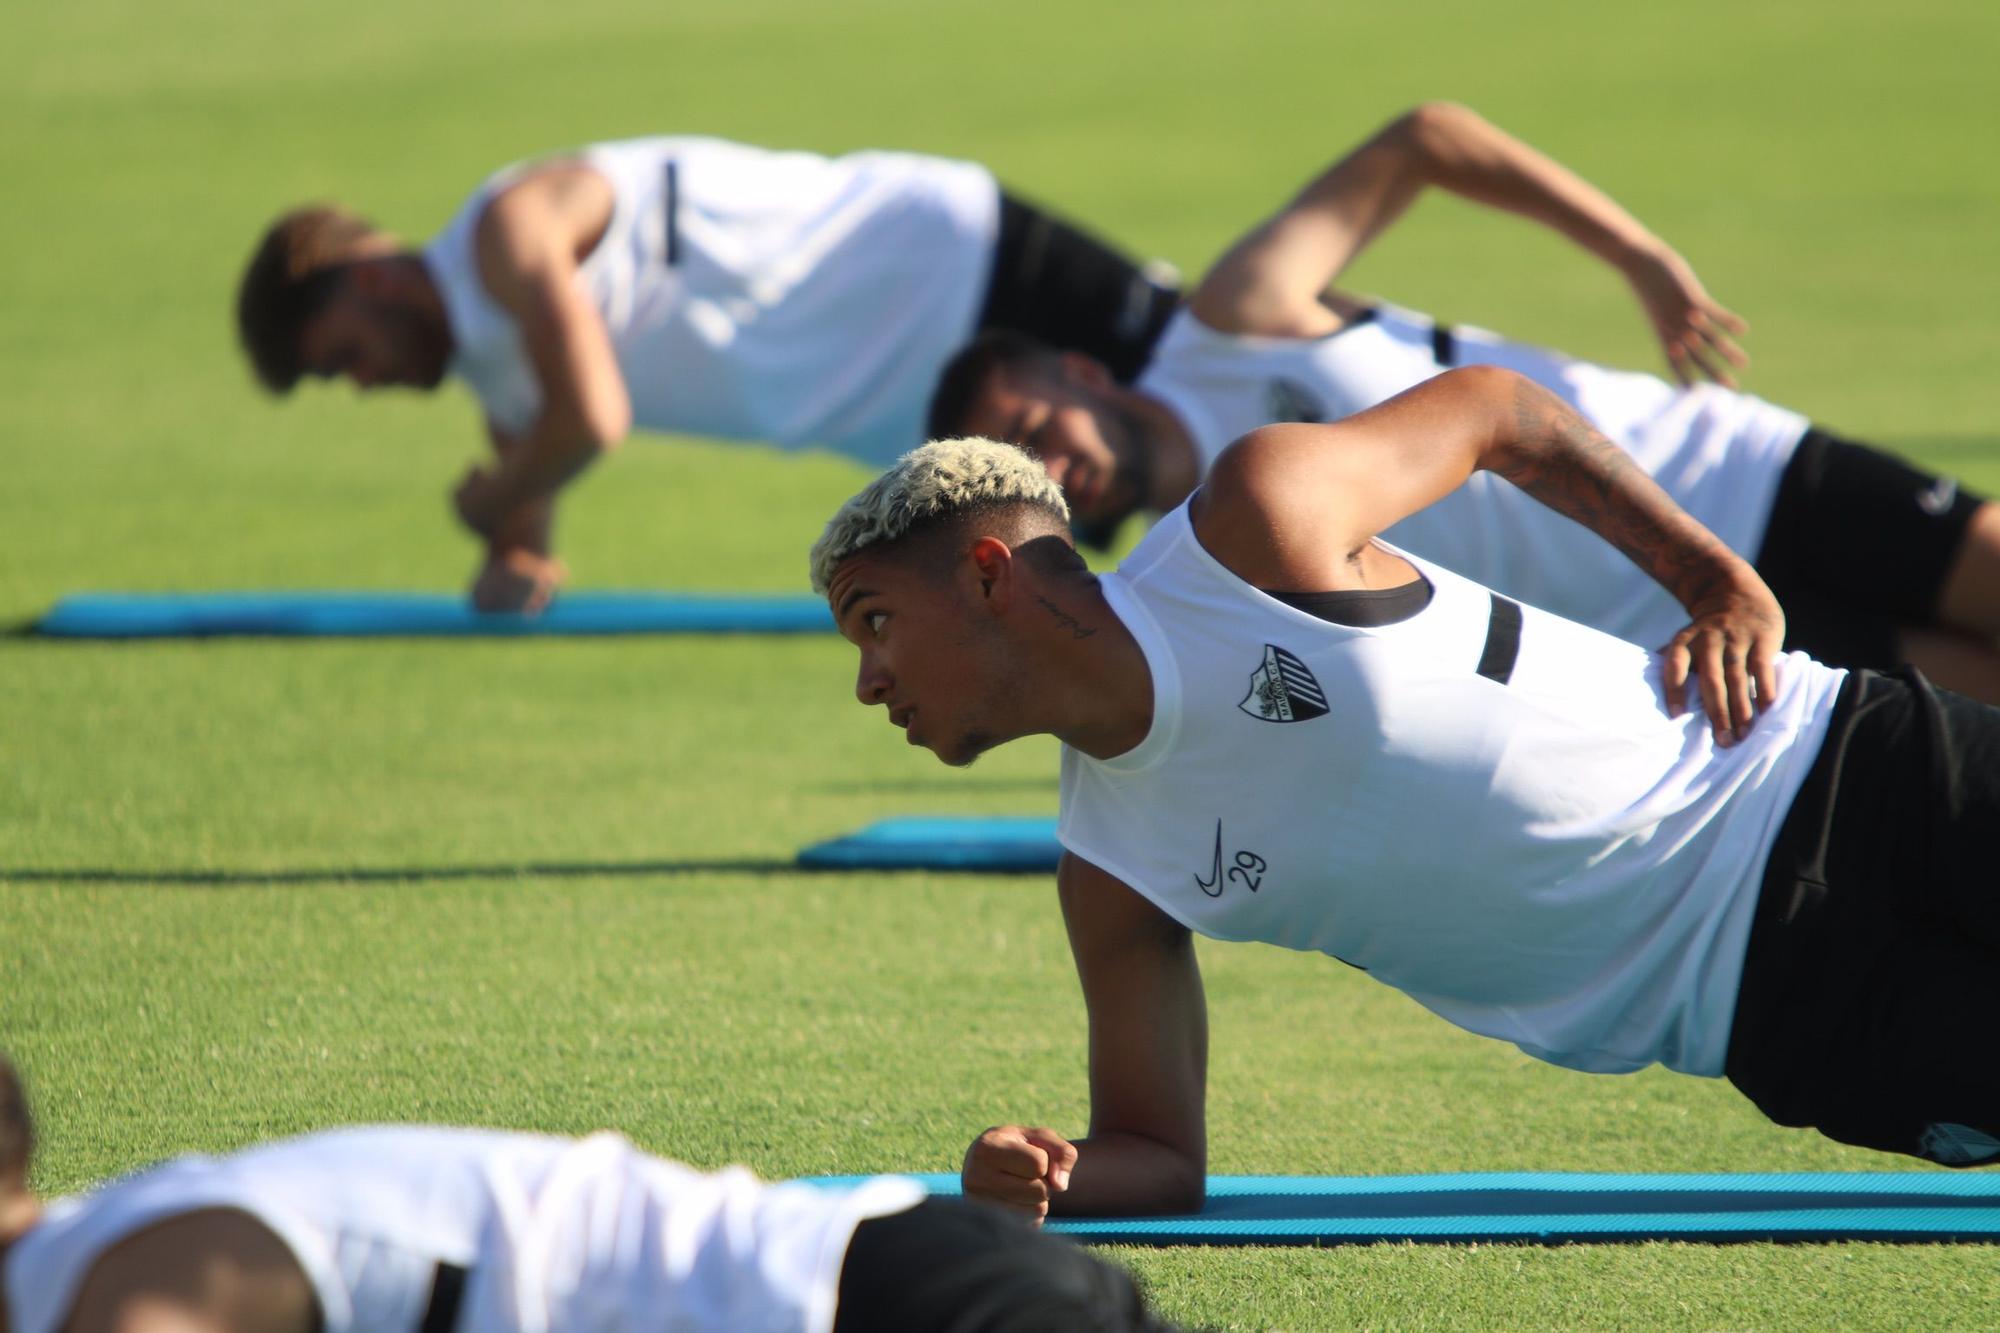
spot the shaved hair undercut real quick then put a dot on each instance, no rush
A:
(928, 489)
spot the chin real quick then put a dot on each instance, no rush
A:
(967, 751)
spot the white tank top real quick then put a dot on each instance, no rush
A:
(1552, 861)
(806, 300)
(1720, 454)
(555, 1233)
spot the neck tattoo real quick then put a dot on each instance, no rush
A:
(1064, 620)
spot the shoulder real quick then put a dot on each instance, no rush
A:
(1248, 294)
(214, 1270)
(1264, 484)
(544, 209)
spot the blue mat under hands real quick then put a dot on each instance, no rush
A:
(374, 614)
(942, 842)
(1549, 1207)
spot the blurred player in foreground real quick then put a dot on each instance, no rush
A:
(1278, 728)
(1875, 562)
(688, 285)
(407, 1229)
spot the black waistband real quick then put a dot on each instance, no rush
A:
(447, 1290)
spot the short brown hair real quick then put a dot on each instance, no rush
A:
(295, 271)
(17, 1130)
(964, 377)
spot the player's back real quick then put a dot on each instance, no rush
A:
(525, 1232)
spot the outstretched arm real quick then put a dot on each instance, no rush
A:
(1147, 1147)
(1295, 507)
(1271, 281)
(528, 243)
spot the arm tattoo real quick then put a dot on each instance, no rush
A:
(1064, 620)
(1560, 459)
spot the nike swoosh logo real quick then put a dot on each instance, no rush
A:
(1936, 498)
(1212, 886)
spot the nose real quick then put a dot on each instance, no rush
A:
(871, 682)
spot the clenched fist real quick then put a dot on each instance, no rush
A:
(517, 580)
(1018, 1167)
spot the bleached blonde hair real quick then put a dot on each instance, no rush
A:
(933, 484)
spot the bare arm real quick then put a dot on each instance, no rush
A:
(213, 1271)
(1296, 506)
(530, 525)
(1271, 281)
(519, 571)
(1147, 1148)
(528, 244)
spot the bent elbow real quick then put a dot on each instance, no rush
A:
(1493, 388)
(1433, 130)
(1188, 1193)
(606, 428)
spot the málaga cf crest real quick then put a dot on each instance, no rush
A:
(1282, 690)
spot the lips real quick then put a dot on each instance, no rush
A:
(901, 717)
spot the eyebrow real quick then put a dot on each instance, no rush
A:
(847, 602)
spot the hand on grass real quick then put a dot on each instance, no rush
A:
(1731, 648)
(1693, 328)
(517, 580)
(1018, 1168)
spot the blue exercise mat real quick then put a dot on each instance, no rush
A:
(942, 842)
(365, 614)
(1932, 1206)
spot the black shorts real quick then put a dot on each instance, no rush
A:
(953, 1264)
(1871, 989)
(1071, 290)
(1859, 546)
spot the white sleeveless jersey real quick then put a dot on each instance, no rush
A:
(1719, 453)
(755, 295)
(1552, 861)
(556, 1234)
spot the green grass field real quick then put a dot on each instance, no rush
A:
(251, 888)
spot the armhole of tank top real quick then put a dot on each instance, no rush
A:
(1362, 608)
(1362, 318)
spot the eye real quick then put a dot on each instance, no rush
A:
(874, 620)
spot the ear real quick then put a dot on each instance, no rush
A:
(991, 565)
(1085, 371)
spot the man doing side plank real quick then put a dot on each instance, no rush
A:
(688, 285)
(1875, 562)
(1279, 727)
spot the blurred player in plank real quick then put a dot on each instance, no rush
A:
(415, 1229)
(1876, 562)
(687, 285)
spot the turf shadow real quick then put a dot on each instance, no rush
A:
(222, 878)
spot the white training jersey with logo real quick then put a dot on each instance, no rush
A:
(1720, 454)
(781, 297)
(556, 1234)
(1552, 860)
